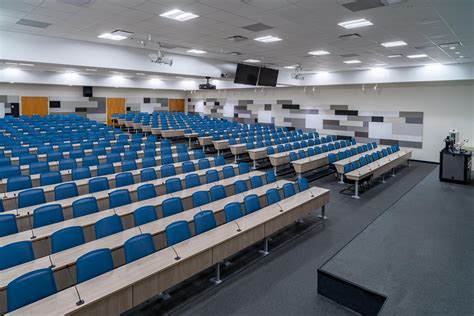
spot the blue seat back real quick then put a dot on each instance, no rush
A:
(200, 198)
(172, 206)
(93, 264)
(138, 247)
(31, 197)
(146, 191)
(217, 192)
(177, 232)
(67, 238)
(252, 203)
(119, 197)
(65, 191)
(98, 184)
(108, 226)
(233, 211)
(288, 190)
(273, 196)
(144, 214)
(84, 206)
(15, 254)
(47, 215)
(204, 221)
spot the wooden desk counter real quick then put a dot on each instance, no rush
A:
(127, 286)
(9, 198)
(379, 167)
(115, 242)
(102, 197)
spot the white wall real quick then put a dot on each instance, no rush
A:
(445, 105)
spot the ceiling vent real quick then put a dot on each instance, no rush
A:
(234, 53)
(258, 27)
(449, 45)
(237, 38)
(78, 3)
(33, 23)
(350, 36)
(361, 5)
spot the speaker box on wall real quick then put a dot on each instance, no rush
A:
(87, 92)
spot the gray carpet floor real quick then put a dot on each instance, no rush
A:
(284, 282)
(420, 253)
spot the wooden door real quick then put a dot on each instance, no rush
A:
(176, 105)
(114, 105)
(34, 105)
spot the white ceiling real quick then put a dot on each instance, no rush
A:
(303, 25)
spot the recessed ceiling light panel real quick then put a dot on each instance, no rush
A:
(395, 56)
(268, 39)
(319, 53)
(112, 37)
(355, 23)
(179, 15)
(394, 44)
(353, 61)
(196, 51)
(417, 56)
(252, 61)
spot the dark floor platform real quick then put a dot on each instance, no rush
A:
(419, 253)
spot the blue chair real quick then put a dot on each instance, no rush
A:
(124, 179)
(270, 176)
(19, 183)
(48, 178)
(129, 165)
(47, 215)
(5, 161)
(65, 191)
(204, 163)
(192, 180)
(31, 197)
(177, 232)
(384, 152)
(67, 164)
(148, 174)
(183, 157)
(217, 192)
(10, 171)
(173, 185)
(98, 184)
(148, 162)
(228, 172)
(108, 226)
(84, 206)
(54, 156)
(144, 214)
(212, 176)
(89, 161)
(293, 156)
(119, 197)
(15, 254)
(130, 156)
(30, 287)
(146, 191)
(138, 247)
(252, 203)
(332, 158)
(199, 154)
(93, 264)
(243, 168)
(256, 182)
(167, 171)
(39, 167)
(81, 173)
(76, 153)
(200, 198)
(172, 206)
(288, 190)
(302, 184)
(188, 166)
(204, 221)
(66, 238)
(240, 186)
(273, 196)
(233, 211)
(219, 161)
(99, 151)
(7, 224)
(105, 169)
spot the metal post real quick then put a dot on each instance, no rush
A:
(264, 251)
(393, 172)
(342, 179)
(383, 178)
(217, 279)
(255, 164)
(356, 193)
(323, 212)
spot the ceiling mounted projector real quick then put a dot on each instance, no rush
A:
(207, 85)
(159, 58)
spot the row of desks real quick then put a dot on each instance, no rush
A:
(131, 284)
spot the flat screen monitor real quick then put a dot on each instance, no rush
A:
(268, 77)
(246, 74)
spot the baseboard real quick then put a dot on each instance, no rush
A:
(348, 294)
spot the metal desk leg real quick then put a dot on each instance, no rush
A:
(217, 279)
(255, 164)
(275, 170)
(408, 163)
(264, 251)
(342, 179)
(189, 144)
(235, 158)
(393, 172)
(323, 212)
(356, 195)
(383, 178)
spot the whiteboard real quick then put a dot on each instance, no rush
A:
(148, 107)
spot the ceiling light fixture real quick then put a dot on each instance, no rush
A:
(417, 56)
(268, 39)
(112, 37)
(319, 53)
(252, 61)
(291, 67)
(91, 69)
(354, 61)
(355, 23)
(29, 65)
(179, 15)
(394, 44)
(140, 74)
(10, 63)
(395, 56)
(196, 51)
